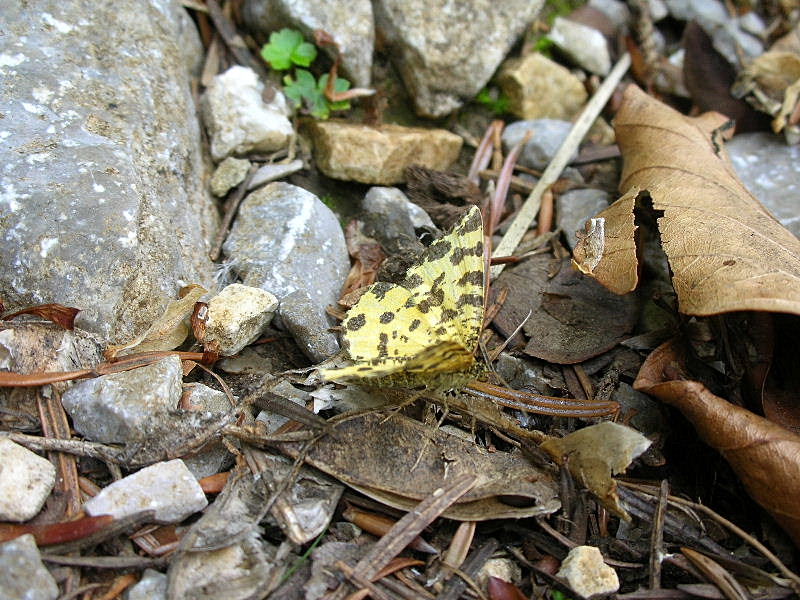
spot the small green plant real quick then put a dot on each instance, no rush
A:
(286, 48)
(544, 45)
(495, 100)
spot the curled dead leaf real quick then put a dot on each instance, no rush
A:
(595, 453)
(63, 316)
(726, 252)
(765, 456)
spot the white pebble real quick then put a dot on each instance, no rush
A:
(168, 488)
(26, 480)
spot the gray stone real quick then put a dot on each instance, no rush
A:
(22, 574)
(228, 174)
(301, 316)
(211, 458)
(658, 10)
(286, 240)
(391, 218)
(102, 188)
(152, 586)
(349, 23)
(273, 172)
(26, 480)
(547, 137)
(386, 201)
(447, 51)
(616, 11)
(239, 120)
(237, 316)
(725, 33)
(771, 171)
(585, 46)
(125, 406)
(168, 488)
(575, 206)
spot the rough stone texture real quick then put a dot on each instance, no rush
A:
(230, 173)
(125, 406)
(239, 120)
(575, 206)
(538, 87)
(301, 316)
(29, 347)
(151, 586)
(273, 172)
(713, 17)
(447, 51)
(349, 23)
(22, 574)
(379, 156)
(547, 137)
(616, 11)
(214, 456)
(587, 574)
(584, 45)
(166, 487)
(102, 188)
(237, 316)
(26, 480)
(771, 171)
(285, 240)
(389, 215)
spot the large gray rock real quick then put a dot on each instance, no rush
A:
(102, 189)
(349, 23)
(22, 574)
(447, 51)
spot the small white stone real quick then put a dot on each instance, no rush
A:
(237, 316)
(168, 488)
(500, 568)
(26, 480)
(238, 119)
(586, 573)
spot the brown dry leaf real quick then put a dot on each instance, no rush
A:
(63, 316)
(400, 461)
(765, 456)
(168, 331)
(571, 318)
(595, 453)
(727, 253)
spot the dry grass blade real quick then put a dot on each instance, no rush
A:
(730, 588)
(411, 525)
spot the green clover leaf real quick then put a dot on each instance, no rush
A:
(286, 47)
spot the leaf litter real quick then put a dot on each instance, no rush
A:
(404, 460)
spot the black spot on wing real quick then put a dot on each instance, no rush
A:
(473, 222)
(469, 300)
(383, 345)
(413, 281)
(438, 249)
(471, 277)
(387, 317)
(414, 324)
(459, 254)
(356, 322)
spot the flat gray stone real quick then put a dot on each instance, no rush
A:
(125, 406)
(102, 181)
(26, 480)
(575, 206)
(273, 172)
(349, 23)
(285, 240)
(447, 51)
(22, 574)
(547, 137)
(771, 171)
(392, 219)
(214, 456)
(168, 488)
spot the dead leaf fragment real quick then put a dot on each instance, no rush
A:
(595, 453)
(63, 316)
(726, 251)
(765, 456)
(168, 331)
(400, 461)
